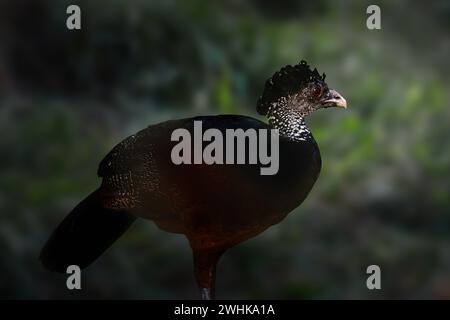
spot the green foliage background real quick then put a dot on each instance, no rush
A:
(67, 97)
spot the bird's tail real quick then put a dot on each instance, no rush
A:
(84, 234)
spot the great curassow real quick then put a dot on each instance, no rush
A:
(216, 206)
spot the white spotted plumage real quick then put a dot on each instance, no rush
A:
(283, 116)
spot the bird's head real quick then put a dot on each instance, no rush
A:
(298, 90)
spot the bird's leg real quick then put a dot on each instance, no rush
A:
(205, 262)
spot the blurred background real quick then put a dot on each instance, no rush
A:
(67, 97)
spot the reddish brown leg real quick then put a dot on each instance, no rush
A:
(205, 262)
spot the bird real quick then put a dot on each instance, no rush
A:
(216, 206)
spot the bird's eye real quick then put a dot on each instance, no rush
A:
(317, 91)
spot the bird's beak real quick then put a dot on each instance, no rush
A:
(334, 99)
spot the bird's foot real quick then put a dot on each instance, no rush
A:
(205, 293)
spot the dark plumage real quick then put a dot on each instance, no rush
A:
(215, 206)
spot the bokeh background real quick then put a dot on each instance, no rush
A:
(67, 97)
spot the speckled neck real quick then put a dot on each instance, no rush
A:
(289, 122)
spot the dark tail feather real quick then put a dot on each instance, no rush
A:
(84, 235)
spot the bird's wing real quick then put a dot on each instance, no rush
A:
(141, 163)
(127, 169)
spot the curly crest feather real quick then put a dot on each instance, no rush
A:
(287, 81)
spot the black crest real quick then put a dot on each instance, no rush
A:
(287, 81)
